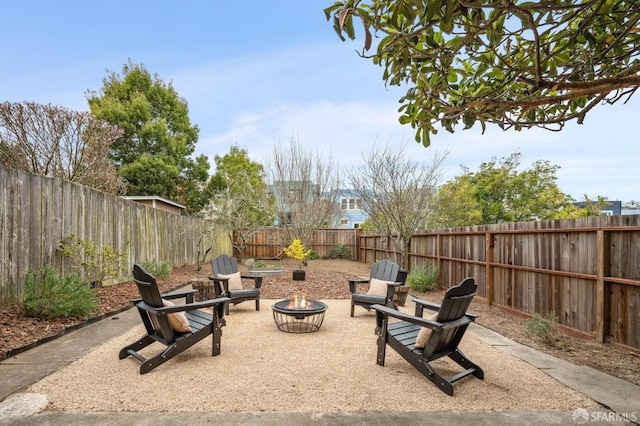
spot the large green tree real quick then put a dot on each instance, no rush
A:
(500, 192)
(514, 63)
(455, 204)
(155, 152)
(240, 199)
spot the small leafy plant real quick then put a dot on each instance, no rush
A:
(545, 329)
(93, 262)
(50, 296)
(340, 251)
(160, 271)
(422, 278)
(296, 250)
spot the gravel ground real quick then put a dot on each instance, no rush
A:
(263, 369)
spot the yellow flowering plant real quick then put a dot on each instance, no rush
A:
(296, 251)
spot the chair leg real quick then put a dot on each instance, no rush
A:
(216, 336)
(257, 304)
(226, 308)
(382, 345)
(437, 379)
(466, 363)
(141, 343)
(352, 310)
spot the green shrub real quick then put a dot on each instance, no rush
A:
(51, 296)
(422, 278)
(160, 271)
(8, 294)
(313, 255)
(545, 329)
(93, 262)
(340, 251)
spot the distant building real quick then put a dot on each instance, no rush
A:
(157, 203)
(352, 214)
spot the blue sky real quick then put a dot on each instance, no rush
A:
(257, 73)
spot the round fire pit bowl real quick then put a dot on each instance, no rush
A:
(292, 318)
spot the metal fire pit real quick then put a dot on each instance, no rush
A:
(297, 319)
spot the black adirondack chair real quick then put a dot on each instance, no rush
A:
(447, 330)
(226, 265)
(385, 270)
(158, 329)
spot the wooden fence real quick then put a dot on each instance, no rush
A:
(586, 271)
(36, 213)
(269, 242)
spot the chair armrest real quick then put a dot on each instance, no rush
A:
(421, 304)
(424, 322)
(182, 308)
(178, 295)
(257, 279)
(250, 276)
(354, 281)
(426, 304)
(221, 284)
(382, 310)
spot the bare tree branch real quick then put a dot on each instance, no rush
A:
(58, 142)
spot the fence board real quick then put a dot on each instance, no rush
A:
(37, 212)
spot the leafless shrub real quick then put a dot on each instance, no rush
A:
(58, 142)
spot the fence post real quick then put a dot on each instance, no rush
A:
(439, 261)
(488, 271)
(602, 244)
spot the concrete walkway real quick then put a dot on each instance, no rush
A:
(620, 399)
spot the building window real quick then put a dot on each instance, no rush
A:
(344, 221)
(351, 204)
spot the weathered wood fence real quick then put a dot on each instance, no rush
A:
(586, 271)
(37, 212)
(268, 243)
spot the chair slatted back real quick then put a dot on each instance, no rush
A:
(148, 288)
(224, 264)
(454, 306)
(385, 270)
